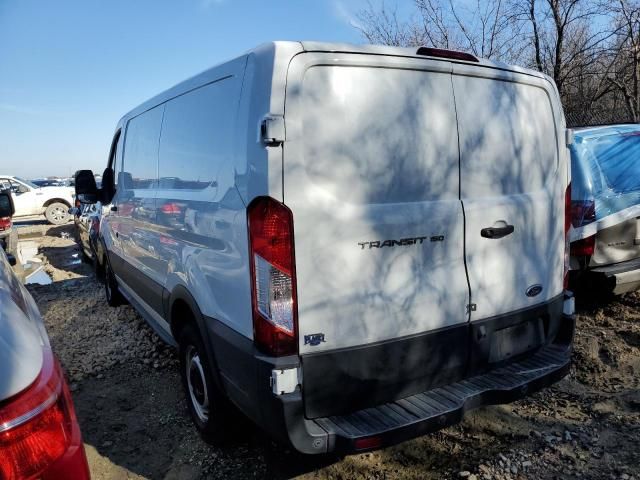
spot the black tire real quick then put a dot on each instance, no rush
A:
(57, 213)
(111, 290)
(85, 258)
(211, 411)
(98, 267)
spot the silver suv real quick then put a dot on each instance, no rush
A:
(605, 209)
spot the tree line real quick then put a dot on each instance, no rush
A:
(591, 48)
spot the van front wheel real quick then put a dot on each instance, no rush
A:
(209, 408)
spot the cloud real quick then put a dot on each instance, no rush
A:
(344, 14)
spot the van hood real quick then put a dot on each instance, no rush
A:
(22, 335)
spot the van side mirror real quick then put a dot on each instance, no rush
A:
(86, 188)
(6, 204)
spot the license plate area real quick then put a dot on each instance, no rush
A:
(500, 340)
(511, 342)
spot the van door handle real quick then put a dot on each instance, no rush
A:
(497, 232)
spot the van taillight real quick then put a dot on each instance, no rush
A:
(37, 428)
(273, 281)
(5, 223)
(567, 227)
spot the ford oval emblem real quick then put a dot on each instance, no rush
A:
(534, 290)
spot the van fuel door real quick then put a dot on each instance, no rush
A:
(272, 131)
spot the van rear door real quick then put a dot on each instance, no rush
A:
(512, 190)
(371, 176)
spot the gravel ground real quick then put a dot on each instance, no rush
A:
(135, 423)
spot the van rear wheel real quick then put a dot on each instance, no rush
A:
(111, 290)
(210, 410)
(57, 213)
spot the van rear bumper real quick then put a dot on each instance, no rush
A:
(421, 413)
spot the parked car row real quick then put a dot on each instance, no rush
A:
(86, 218)
(351, 245)
(39, 432)
(53, 182)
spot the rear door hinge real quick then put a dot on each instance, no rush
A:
(272, 131)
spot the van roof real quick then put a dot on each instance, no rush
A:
(281, 52)
(311, 46)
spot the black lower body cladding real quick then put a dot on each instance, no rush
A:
(341, 381)
(496, 361)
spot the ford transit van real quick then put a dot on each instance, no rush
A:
(352, 245)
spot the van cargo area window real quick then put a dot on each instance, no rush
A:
(196, 137)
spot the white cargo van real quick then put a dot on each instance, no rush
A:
(353, 245)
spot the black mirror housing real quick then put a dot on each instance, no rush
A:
(86, 188)
(6, 204)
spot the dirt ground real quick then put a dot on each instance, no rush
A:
(135, 423)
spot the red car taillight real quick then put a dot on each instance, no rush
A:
(567, 227)
(273, 280)
(171, 208)
(5, 223)
(583, 212)
(39, 434)
(584, 247)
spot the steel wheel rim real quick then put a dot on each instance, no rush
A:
(197, 384)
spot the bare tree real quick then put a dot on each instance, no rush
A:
(381, 25)
(591, 48)
(626, 77)
(487, 28)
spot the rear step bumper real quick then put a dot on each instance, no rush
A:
(410, 417)
(434, 409)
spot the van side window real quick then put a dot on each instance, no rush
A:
(140, 164)
(197, 136)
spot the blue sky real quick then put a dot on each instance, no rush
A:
(70, 69)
